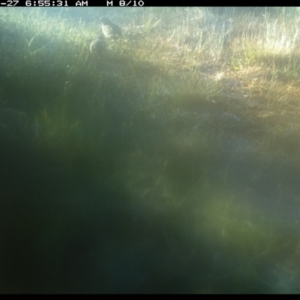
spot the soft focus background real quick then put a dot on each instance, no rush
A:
(166, 162)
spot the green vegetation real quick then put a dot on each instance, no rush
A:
(195, 113)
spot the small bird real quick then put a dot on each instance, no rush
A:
(97, 47)
(109, 29)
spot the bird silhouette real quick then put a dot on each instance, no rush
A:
(109, 29)
(97, 47)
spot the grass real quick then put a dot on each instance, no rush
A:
(193, 113)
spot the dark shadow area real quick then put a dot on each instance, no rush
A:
(63, 232)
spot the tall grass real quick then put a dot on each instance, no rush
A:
(191, 111)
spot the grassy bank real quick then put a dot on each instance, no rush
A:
(168, 163)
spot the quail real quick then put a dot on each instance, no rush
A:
(97, 47)
(110, 30)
